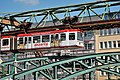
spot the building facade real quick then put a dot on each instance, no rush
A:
(107, 40)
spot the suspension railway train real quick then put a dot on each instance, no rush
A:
(42, 40)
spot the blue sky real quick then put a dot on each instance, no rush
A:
(26, 5)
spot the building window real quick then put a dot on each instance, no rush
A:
(118, 30)
(109, 31)
(118, 43)
(114, 44)
(105, 45)
(89, 35)
(105, 32)
(86, 45)
(102, 73)
(101, 32)
(110, 44)
(101, 45)
(114, 31)
(90, 46)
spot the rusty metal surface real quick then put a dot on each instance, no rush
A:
(95, 25)
(9, 22)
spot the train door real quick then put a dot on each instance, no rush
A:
(12, 43)
(72, 38)
(20, 43)
(63, 39)
(15, 43)
(55, 40)
(28, 42)
(80, 42)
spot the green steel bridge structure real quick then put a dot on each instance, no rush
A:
(62, 67)
(100, 15)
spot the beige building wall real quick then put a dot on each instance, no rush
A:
(106, 38)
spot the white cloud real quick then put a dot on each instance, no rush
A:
(30, 2)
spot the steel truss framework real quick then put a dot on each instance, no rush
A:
(41, 18)
(63, 68)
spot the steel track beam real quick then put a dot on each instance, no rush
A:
(63, 7)
(95, 25)
(79, 8)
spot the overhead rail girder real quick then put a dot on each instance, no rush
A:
(58, 9)
(5, 21)
(40, 17)
(86, 26)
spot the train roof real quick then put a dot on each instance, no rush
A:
(50, 32)
(5, 36)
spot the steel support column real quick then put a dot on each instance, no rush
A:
(14, 70)
(24, 68)
(109, 78)
(35, 75)
(15, 62)
(91, 74)
(9, 69)
(3, 70)
(74, 68)
(55, 72)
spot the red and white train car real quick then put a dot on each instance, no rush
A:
(51, 39)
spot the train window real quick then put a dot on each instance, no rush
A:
(56, 37)
(29, 39)
(79, 36)
(5, 42)
(63, 37)
(71, 36)
(36, 39)
(20, 40)
(25, 40)
(45, 38)
(52, 38)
